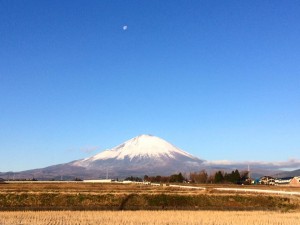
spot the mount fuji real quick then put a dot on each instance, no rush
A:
(139, 156)
(144, 154)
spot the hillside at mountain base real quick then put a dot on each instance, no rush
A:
(139, 156)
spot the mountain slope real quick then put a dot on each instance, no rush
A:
(142, 155)
(139, 156)
(140, 148)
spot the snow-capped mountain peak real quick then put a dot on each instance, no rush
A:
(143, 146)
(139, 156)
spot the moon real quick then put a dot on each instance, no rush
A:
(125, 27)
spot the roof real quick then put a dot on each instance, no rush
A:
(268, 177)
(285, 178)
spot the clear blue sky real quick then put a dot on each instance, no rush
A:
(219, 79)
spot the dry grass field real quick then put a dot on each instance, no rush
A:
(149, 217)
(81, 187)
(89, 196)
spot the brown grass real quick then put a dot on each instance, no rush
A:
(149, 217)
(121, 188)
(89, 196)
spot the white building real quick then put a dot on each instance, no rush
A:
(99, 181)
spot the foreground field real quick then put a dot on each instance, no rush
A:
(80, 196)
(149, 217)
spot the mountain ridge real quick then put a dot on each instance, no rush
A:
(140, 147)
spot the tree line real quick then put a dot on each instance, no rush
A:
(201, 177)
(174, 178)
(235, 177)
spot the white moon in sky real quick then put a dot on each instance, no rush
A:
(125, 27)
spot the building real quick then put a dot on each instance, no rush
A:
(99, 181)
(283, 181)
(267, 180)
(295, 181)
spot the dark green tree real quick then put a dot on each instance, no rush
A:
(146, 178)
(219, 178)
(176, 178)
(233, 177)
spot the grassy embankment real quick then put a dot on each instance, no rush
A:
(80, 196)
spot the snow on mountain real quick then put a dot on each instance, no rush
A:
(144, 154)
(143, 146)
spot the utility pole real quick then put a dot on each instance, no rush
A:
(249, 175)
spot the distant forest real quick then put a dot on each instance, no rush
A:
(201, 177)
